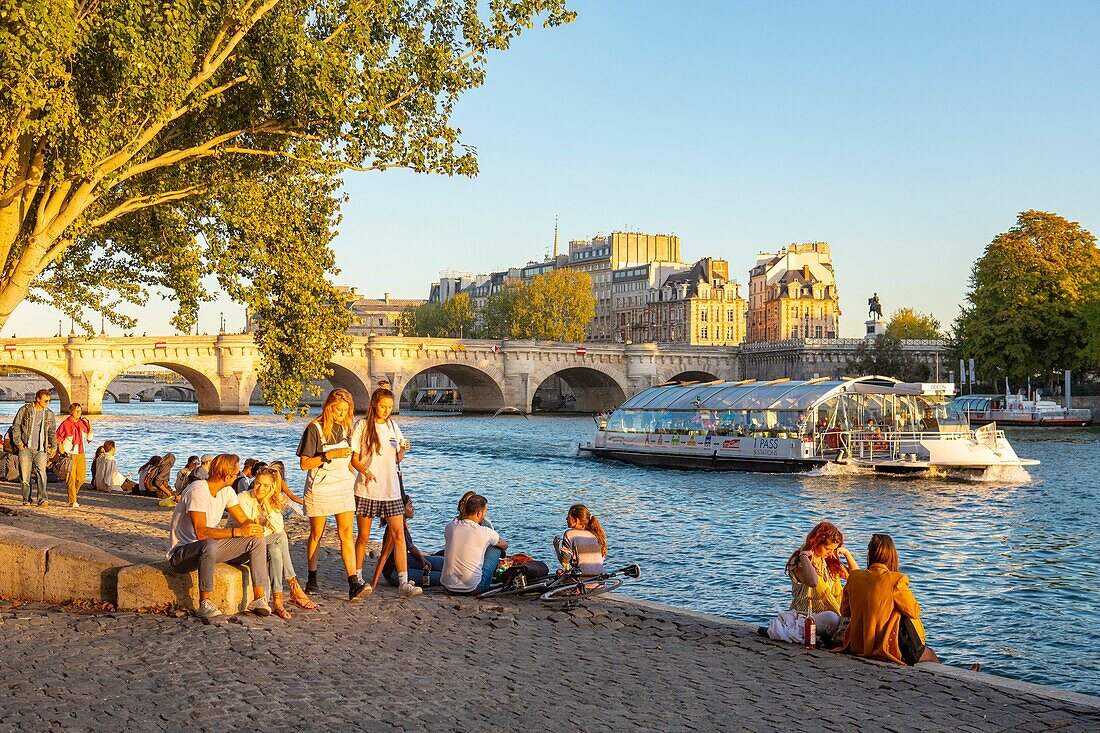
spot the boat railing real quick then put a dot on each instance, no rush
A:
(887, 445)
(1079, 413)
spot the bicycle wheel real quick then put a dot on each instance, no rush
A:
(580, 590)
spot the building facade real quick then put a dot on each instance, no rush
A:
(630, 297)
(793, 295)
(700, 306)
(379, 316)
(616, 251)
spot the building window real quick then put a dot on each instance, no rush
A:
(729, 314)
(729, 333)
(704, 333)
(703, 315)
(817, 331)
(794, 332)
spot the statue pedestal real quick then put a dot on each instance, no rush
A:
(875, 327)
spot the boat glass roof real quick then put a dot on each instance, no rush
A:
(787, 395)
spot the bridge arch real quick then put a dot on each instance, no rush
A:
(593, 387)
(60, 382)
(692, 375)
(206, 390)
(479, 386)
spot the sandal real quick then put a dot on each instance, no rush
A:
(303, 601)
(281, 612)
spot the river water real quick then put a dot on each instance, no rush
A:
(1005, 570)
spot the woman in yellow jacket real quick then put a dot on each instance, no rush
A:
(885, 617)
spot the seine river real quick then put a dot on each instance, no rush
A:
(1006, 572)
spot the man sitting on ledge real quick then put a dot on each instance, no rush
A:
(196, 541)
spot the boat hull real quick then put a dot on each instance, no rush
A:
(704, 462)
(1008, 422)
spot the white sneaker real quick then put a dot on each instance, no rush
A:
(207, 610)
(259, 607)
(74, 505)
(408, 590)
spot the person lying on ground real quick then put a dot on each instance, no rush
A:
(417, 562)
(196, 542)
(885, 617)
(584, 543)
(262, 505)
(472, 551)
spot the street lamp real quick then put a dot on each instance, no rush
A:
(221, 322)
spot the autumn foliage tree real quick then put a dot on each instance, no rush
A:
(1033, 308)
(556, 306)
(155, 145)
(907, 323)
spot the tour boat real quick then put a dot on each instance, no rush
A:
(782, 425)
(1016, 411)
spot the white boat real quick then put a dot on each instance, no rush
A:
(875, 422)
(1016, 411)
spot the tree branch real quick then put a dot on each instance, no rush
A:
(137, 203)
(309, 161)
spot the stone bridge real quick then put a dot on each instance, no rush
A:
(489, 374)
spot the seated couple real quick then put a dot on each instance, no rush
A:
(874, 615)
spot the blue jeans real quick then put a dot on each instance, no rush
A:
(279, 565)
(32, 460)
(416, 572)
(488, 567)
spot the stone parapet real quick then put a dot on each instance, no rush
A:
(38, 567)
(157, 585)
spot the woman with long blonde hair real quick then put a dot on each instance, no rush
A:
(325, 454)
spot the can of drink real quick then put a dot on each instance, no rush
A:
(811, 633)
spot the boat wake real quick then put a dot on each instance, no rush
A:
(838, 469)
(1014, 475)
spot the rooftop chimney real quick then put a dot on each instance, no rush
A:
(387, 298)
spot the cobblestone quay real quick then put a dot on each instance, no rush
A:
(437, 663)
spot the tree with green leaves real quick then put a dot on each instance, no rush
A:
(158, 145)
(497, 319)
(556, 306)
(459, 316)
(907, 323)
(1033, 308)
(885, 357)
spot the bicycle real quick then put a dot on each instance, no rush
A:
(567, 586)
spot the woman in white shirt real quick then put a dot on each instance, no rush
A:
(325, 454)
(377, 448)
(262, 505)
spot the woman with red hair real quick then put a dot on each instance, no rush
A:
(816, 572)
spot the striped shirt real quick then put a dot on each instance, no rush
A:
(584, 545)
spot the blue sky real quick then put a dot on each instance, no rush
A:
(905, 136)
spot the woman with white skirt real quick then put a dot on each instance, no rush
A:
(325, 455)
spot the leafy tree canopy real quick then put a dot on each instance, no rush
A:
(885, 357)
(907, 323)
(153, 145)
(556, 306)
(1033, 307)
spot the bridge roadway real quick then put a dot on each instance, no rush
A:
(489, 374)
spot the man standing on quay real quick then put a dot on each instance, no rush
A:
(74, 433)
(196, 542)
(33, 433)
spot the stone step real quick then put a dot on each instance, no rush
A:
(156, 585)
(37, 567)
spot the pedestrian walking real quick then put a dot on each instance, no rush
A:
(73, 435)
(325, 454)
(34, 433)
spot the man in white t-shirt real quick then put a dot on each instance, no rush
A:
(472, 551)
(197, 543)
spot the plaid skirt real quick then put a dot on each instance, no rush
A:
(378, 507)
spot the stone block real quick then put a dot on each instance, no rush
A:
(23, 558)
(78, 571)
(146, 586)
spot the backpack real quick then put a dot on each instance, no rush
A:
(531, 571)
